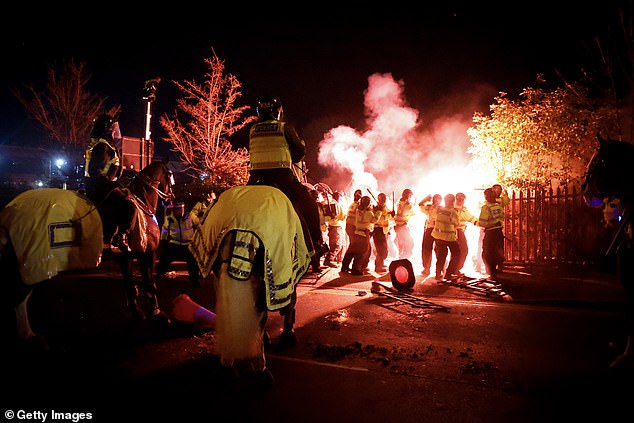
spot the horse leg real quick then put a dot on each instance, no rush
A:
(132, 290)
(288, 338)
(626, 273)
(146, 262)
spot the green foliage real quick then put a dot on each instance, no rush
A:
(543, 139)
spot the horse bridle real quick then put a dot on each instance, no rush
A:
(165, 196)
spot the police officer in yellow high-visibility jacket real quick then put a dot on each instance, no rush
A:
(465, 216)
(446, 239)
(492, 220)
(360, 248)
(102, 169)
(176, 235)
(274, 148)
(427, 247)
(404, 212)
(381, 229)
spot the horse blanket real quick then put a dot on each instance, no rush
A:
(52, 230)
(258, 216)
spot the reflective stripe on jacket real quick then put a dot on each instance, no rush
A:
(491, 216)
(268, 147)
(178, 231)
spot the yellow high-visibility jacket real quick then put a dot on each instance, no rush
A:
(384, 219)
(446, 223)
(404, 212)
(465, 216)
(491, 216)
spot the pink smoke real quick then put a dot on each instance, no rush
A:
(396, 151)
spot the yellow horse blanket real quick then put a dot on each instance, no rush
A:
(51, 230)
(258, 216)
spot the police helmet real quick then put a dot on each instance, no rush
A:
(105, 126)
(269, 108)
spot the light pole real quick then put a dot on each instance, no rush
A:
(149, 95)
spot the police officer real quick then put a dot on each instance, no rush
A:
(492, 220)
(102, 169)
(274, 150)
(176, 235)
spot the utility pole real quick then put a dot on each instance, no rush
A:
(149, 95)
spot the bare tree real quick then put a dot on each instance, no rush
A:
(65, 109)
(209, 115)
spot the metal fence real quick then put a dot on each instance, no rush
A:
(553, 226)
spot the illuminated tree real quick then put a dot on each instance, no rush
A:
(209, 115)
(543, 139)
(65, 109)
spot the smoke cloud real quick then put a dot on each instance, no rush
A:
(398, 150)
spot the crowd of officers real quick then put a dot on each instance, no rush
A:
(362, 229)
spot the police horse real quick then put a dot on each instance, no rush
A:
(609, 179)
(252, 240)
(44, 232)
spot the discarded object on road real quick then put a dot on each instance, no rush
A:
(479, 286)
(186, 310)
(412, 300)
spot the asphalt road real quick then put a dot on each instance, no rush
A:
(361, 356)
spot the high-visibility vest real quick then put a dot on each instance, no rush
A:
(268, 148)
(339, 217)
(384, 218)
(464, 217)
(364, 221)
(446, 224)
(430, 210)
(351, 217)
(404, 213)
(178, 231)
(114, 161)
(491, 216)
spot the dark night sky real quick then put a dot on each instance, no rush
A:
(316, 61)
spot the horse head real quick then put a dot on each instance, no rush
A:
(609, 173)
(154, 182)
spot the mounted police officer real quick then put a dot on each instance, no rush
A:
(102, 170)
(275, 150)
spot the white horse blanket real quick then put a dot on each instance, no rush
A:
(259, 216)
(52, 230)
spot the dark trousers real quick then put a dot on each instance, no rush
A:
(347, 257)
(170, 252)
(493, 250)
(334, 243)
(464, 249)
(380, 244)
(442, 248)
(359, 251)
(427, 248)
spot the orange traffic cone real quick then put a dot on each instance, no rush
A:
(186, 310)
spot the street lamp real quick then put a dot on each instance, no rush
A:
(149, 95)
